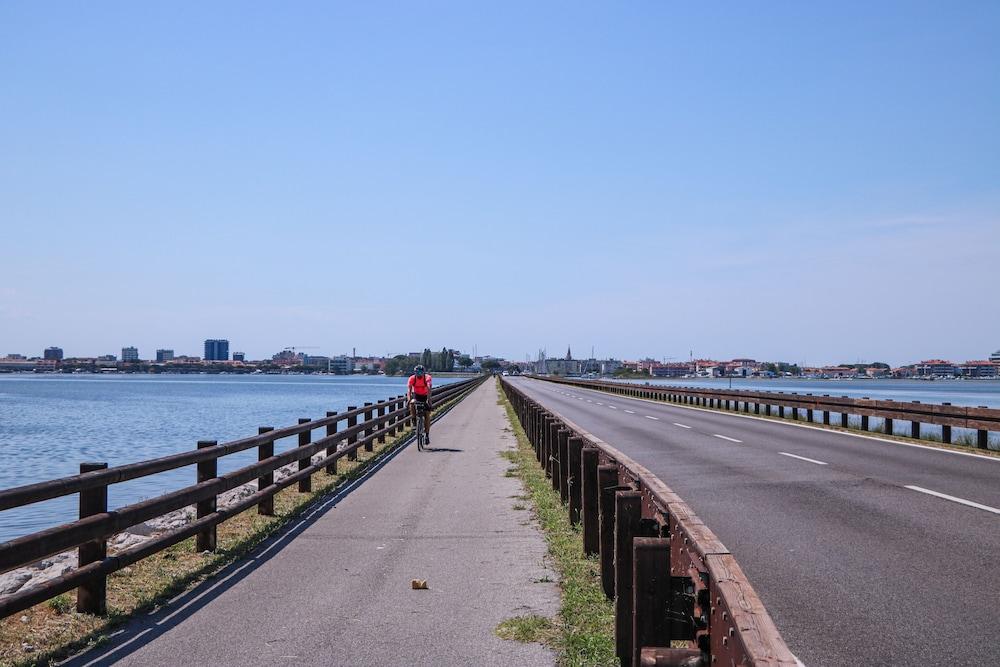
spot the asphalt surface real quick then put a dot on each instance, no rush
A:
(335, 589)
(854, 567)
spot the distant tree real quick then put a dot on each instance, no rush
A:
(491, 365)
(464, 361)
(447, 360)
(427, 358)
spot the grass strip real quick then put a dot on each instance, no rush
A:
(583, 634)
(52, 630)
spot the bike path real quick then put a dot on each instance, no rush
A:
(336, 591)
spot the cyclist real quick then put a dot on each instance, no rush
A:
(418, 388)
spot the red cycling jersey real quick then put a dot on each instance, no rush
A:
(421, 386)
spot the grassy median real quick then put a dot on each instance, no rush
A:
(52, 630)
(583, 633)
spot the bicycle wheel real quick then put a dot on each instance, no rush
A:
(420, 431)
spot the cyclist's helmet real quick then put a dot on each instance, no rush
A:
(418, 370)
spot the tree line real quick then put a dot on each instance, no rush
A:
(444, 361)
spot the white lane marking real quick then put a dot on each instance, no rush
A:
(653, 418)
(631, 412)
(726, 437)
(599, 403)
(681, 425)
(953, 499)
(803, 458)
(589, 401)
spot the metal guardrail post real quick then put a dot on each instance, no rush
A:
(982, 439)
(591, 494)
(352, 421)
(864, 422)
(331, 429)
(651, 624)
(628, 513)
(369, 445)
(305, 485)
(555, 460)
(607, 480)
(91, 597)
(890, 428)
(206, 539)
(574, 447)
(265, 451)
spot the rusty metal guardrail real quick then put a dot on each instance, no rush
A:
(980, 419)
(97, 523)
(671, 578)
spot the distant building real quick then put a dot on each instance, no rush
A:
(979, 369)
(316, 361)
(341, 365)
(675, 370)
(130, 354)
(239, 356)
(935, 368)
(164, 355)
(53, 354)
(216, 349)
(995, 357)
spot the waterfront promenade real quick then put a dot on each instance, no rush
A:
(334, 589)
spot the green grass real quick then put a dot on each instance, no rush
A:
(583, 633)
(531, 629)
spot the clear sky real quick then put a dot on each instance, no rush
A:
(795, 181)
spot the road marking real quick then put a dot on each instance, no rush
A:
(726, 437)
(631, 412)
(681, 425)
(599, 403)
(953, 499)
(589, 401)
(803, 458)
(653, 418)
(612, 407)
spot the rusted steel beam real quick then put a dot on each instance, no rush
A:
(651, 593)
(574, 447)
(591, 501)
(305, 486)
(562, 440)
(607, 480)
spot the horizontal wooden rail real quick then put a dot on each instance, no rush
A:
(94, 528)
(670, 577)
(980, 419)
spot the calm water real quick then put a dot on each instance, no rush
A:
(50, 423)
(956, 392)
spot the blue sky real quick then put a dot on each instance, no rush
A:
(813, 183)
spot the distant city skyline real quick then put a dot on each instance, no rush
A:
(803, 182)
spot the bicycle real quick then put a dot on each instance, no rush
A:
(420, 409)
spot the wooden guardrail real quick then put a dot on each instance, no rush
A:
(97, 523)
(670, 577)
(982, 420)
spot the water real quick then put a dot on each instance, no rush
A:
(957, 392)
(51, 423)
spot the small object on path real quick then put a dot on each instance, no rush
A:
(418, 584)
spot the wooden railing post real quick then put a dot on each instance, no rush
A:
(888, 426)
(91, 597)
(305, 485)
(607, 480)
(628, 513)
(369, 445)
(562, 440)
(651, 622)
(265, 451)
(555, 460)
(591, 493)
(982, 439)
(206, 539)
(352, 421)
(382, 425)
(574, 447)
(331, 429)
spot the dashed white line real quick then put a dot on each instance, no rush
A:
(599, 403)
(681, 425)
(726, 437)
(953, 499)
(612, 407)
(803, 458)
(631, 412)
(653, 418)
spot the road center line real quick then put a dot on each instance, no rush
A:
(726, 437)
(803, 458)
(681, 425)
(612, 407)
(953, 499)
(653, 418)
(631, 412)
(599, 403)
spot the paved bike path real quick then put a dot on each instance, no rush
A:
(337, 592)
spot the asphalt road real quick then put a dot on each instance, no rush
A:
(854, 556)
(335, 588)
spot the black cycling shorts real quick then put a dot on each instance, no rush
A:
(419, 398)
